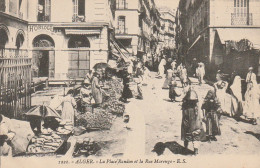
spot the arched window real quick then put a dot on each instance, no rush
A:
(19, 40)
(3, 38)
(43, 41)
(78, 42)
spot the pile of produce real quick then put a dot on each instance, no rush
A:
(66, 127)
(111, 103)
(114, 87)
(45, 143)
(99, 119)
(86, 148)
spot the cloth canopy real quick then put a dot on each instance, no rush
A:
(81, 32)
(237, 34)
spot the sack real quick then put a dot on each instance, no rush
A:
(19, 145)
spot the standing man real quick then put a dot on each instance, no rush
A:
(161, 67)
(251, 76)
(200, 72)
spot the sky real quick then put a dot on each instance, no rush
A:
(172, 4)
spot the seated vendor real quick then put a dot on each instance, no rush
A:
(7, 133)
(38, 124)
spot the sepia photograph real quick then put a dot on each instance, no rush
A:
(130, 83)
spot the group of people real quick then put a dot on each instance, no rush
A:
(134, 71)
(201, 123)
(231, 98)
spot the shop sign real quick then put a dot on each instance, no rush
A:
(40, 27)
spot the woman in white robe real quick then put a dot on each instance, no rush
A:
(236, 89)
(161, 67)
(227, 102)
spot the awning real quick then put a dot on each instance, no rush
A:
(122, 55)
(197, 39)
(237, 34)
(81, 32)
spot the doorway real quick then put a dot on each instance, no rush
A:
(43, 63)
(43, 57)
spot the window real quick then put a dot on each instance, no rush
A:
(121, 25)
(44, 10)
(79, 7)
(78, 11)
(79, 63)
(241, 15)
(78, 42)
(121, 4)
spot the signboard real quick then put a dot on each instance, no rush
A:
(41, 27)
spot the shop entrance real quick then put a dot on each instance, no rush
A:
(43, 57)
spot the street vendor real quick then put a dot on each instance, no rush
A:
(88, 77)
(96, 89)
(7, 133)
(68, 107)
(85, 95)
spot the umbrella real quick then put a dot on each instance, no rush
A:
(43, 111)
(101, 66)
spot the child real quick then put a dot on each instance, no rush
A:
(172, 89)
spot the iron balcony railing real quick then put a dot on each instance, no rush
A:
(44, 18)
(13, 53)
(121, 31)
(122, 5)
(241, 19)
(78, 18)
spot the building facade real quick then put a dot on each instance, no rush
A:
(68, 44)
(208, 29)
(137, 27)
(15, 65)
(167, 30)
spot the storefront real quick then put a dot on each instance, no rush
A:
(67, 51)
(242, 49)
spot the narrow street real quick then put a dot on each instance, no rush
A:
(163, 124)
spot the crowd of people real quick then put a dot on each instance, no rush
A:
(201, 122)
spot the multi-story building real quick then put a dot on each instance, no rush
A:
(211, 31)
(136, 24)
(13, 24)
(66, 38)
(167, 31)
(15, 65)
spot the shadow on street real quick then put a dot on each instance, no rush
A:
(173, 146)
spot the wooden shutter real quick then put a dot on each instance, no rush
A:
(51, 64)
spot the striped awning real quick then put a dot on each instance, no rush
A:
(81, 32)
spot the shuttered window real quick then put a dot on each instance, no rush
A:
(79, 64)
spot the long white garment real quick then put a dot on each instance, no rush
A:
(161, 67)
(237, 88)
(252, 106)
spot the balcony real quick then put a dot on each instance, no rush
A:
(122, 31)
(43, 18)
(122, 5)
(13, 53)
(241, 19)
(77, 18)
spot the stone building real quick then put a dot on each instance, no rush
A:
(66, 38)
(215, 31)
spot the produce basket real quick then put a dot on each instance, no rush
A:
(47, 145)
